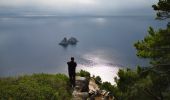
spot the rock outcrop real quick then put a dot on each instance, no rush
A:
(70, 41)
(89, 90)
(81, 89)
(64, 42)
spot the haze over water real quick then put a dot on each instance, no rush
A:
(30, 44)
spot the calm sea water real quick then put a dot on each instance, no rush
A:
(30, 44)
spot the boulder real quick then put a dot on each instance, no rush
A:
(64, 42)
(82, 83)
(72, 40)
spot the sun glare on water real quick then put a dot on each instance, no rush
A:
(98, 66)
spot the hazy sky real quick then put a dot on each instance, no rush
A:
(77, 7)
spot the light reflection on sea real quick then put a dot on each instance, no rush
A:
(98, 64)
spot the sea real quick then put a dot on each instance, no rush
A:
(30, 44)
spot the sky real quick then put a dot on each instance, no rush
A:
(77, 7)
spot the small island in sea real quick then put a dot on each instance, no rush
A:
(70, 41)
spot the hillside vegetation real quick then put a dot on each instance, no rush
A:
(35, 87)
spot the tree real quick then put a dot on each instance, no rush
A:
(83, 73)
(162, 8)
(156, 47)
(153, 81)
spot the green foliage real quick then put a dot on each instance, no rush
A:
(140, 84)
(111, 88)
(156, 47)
(149, 83)
(83, 73)
(35, 87)
(163, 8)
(97, 79)
(127, 78)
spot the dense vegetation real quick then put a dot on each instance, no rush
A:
(35, 87)
(151, 82)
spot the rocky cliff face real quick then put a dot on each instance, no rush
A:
(89, 90)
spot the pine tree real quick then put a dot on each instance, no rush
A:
(162, 8)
